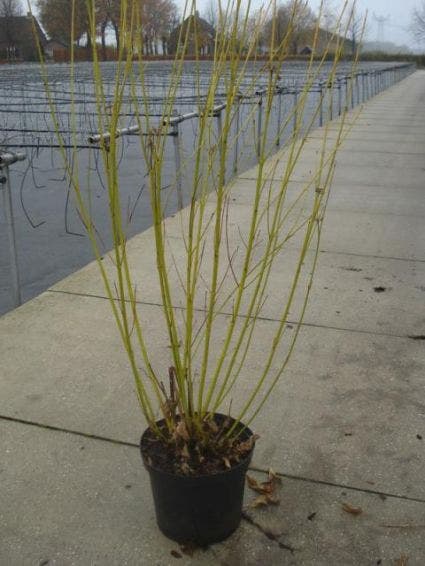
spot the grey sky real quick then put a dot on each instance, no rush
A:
(396, 29)
(398, 11)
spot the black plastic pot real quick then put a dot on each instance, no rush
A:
(198, 509)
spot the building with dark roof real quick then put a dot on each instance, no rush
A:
(18, 41)
(200, 34)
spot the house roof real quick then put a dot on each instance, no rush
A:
(201, 25)
(54, 42)
(20, 29)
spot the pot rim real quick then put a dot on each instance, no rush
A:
(244, 462)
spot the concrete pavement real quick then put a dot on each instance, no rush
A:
(349, 424)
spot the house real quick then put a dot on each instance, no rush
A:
(307, 50)
(200, 34)
(327, 40)
(54, 49)
(310, 40)
(17, 39)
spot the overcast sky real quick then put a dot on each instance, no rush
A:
(395, 29)
(398, 13)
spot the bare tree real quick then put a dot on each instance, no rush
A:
(56, 17)
(418, 23)
(329, 16)
(158, 17)
(168, 19)
(10, 8)
(303, 20)
(278, 25)
(108, 13)
(355, 27)
(295, 17)
(210, 13)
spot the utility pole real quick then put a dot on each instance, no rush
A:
(381, 23)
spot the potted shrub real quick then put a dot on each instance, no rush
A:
(198, 442)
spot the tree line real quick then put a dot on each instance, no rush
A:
(66, 20)
(158, 18)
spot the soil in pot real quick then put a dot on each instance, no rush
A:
(198, 491)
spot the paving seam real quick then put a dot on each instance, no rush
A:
(367, 123)
(269, 534)
(331, 209)
(366, 120)
(252, 468)
(337, 182)
(359, 139)
(365, 127)
(381, 152)
(334, 187)
(260, 318)
(341, 485)
(373, 256)
(54, 428)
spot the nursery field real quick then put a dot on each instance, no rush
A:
(49, 235)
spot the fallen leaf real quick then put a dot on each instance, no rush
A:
(402, 561)
(273, 476)
(253, 483)
(273, 499)
(188, 549)
(227, 463)
(176, 554)
(311, 516)
(259, 501)
(351, 509)
(264, 500)
(267, 487)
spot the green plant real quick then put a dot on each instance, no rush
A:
(210, 285)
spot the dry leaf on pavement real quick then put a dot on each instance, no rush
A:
(351, 509)
(264, 500)
(266, 489)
